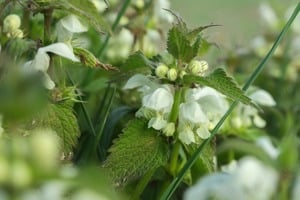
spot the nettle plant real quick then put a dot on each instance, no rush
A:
(169, 142)
(182, 99)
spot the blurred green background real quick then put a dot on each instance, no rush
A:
(239, 18)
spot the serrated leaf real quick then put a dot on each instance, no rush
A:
(205, 163)
(59, 117)
(87, 11)
(179, 46)
(195, 32)
(137, 60)
(138, 150)
(220, 81)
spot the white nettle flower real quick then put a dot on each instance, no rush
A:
(202, 109)
(219, 186)
(120, 45)
(67, 26)
(268, 16)
(266, 144)
(41, 61)
(244, 182)
(156, 98)
(249, 175)
(246, 114)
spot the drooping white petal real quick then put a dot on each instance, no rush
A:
(203, 132)
(192, 112)
(136, 81)
(257, 180)
(157, 123)
(215, 186)
(266, 144)
(186, 135)
(72, 24)
(60, 49)
(41, 61)
(258, 121)
(48, 83)
(160, 99)
(262, 97)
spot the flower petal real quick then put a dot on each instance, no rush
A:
(157, 123)
(41, 61)
(48, 83)
(192, 112)
(203, 132)
(160, 99)
(72, 24)
(60, 49)
(137, 80)
(262, 97)
(186, 136)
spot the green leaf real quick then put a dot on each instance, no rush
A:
(138, 150)
(59, 117)
(179, 46)
(87, 11)
(220, 81)
(195, 32)
(137, 60)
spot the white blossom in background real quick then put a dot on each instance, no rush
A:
(268, 16)
(67, 26)
(265, 143)
(250, 179)
(218, 186)
(120, 45)
(100, 5)
(246, 115)
(296, 188)
(41, 61)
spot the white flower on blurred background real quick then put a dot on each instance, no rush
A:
(266, 144)
(157, 100)
(67, 26)
(100, 5)
(11, 26)
(246, 115)
(218, 186)
(268, 16)
(41, 61)
(251, 179)
(119, 46)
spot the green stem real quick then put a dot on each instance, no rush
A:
(142, 184)
(47, 25)
(173, 118)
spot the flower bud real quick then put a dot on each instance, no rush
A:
(169, 129)
(161, 70)
(11, 23)
(16, 34)
(197, 67)
(182, 73)
(172, 74)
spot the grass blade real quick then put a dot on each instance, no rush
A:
(177, 180)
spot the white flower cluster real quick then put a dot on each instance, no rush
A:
(66, 27)
(246, 115)
(199, 109)
(246, 179)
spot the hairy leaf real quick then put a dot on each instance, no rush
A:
(137, 60)
(220, 81)
(179, 46)
(59, 117)
(138, 150)
(87, 11)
